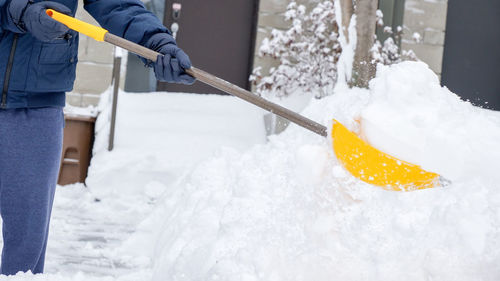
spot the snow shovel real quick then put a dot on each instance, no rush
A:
(358, 157)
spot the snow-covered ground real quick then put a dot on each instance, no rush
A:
(159, 138)
(193, 193)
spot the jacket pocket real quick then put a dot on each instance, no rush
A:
(56, 71)
(56, 66)
(54, 53)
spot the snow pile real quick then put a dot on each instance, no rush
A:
(287, 210)
(159, 137)
(89, 111)
(52, 277)
(412, 117)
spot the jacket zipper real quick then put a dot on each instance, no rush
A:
(8, 71)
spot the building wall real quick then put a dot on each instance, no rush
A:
(427, 18)
(95, 65)
(271, 16)
(94, 69)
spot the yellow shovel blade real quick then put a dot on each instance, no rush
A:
(376, 167)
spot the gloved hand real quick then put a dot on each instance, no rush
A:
(40, 25)
(170, 67)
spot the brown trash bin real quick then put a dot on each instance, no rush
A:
(77, 148)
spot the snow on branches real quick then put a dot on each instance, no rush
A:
(307, 53)
(389, 52)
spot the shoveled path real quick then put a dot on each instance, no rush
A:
(160, 137)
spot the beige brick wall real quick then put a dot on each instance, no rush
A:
(427, 18)
(94, 70)
(271, 15)
(95, 65)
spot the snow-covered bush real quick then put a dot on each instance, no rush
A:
(389, 52)
(307, 52)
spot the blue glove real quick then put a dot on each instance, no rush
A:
(40, 25)
(170, 67)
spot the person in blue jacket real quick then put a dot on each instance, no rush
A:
(38, 58)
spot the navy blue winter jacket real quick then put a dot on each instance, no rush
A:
(41, 72)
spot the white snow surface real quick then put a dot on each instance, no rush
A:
(412, 117)
(287, 210)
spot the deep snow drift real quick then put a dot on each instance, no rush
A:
(412, 117)
(288, 211)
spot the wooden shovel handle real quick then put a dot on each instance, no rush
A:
(224, 86)
(101, 34)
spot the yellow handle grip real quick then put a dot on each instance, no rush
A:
(88, 29)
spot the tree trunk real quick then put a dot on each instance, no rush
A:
(347, 10)
(363, 68)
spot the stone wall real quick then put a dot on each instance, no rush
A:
(427, 18)
(271, 15)
(94, 70)
(95, 65)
